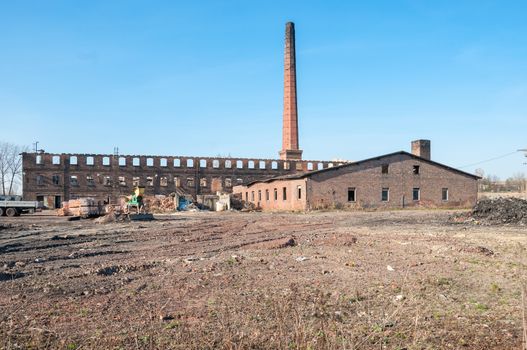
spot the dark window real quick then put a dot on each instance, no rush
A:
(56, 179)
(384, 169)
(74, 181)
(444, 194)
(107, 181)
(259, 195)
(351, 194)
(299, 192)
(275, 194)
(284, 193)
(416, 194)
(40, 180)
(385, 194)
(90, 181)
(246, 196)
(252, 196)
(416, 169)
(266, 195)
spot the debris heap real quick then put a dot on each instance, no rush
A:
(497, 211)
(160, 203)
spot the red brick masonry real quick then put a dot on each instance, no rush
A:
(407, 180)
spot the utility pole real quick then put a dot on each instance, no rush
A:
(36, 148)
(524, 150)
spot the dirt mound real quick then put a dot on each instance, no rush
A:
(497, 211)
(274, 244)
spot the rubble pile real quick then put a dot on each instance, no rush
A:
(501, 211)
(160, 204)
(497, 211)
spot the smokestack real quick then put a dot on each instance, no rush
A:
(421, 148)
(290, 148)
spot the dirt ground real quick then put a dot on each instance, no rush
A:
(324, 280)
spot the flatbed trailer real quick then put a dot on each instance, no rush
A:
(14, 206)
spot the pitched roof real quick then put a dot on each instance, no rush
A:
(350, 164)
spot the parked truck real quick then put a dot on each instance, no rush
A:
(14, 206)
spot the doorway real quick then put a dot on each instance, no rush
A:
(58, 202)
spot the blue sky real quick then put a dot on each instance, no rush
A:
(205, 77)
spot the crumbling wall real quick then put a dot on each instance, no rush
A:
(107, 177)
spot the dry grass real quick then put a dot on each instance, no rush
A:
(221, 281)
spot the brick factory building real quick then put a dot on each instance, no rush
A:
(395, 180)
(300, 184)
(53, 178)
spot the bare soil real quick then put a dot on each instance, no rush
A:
(324, 280)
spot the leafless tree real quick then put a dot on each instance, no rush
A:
(518, 180)
(10, 167)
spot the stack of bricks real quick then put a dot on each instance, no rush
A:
(83, 207)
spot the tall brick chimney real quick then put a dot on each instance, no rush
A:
(290, 149)
(421, 148)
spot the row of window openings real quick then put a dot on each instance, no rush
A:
(163, 181)
(275, 194)
(415, 170)
(163, 162)
(385, 194)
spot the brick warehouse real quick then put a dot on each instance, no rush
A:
(395, 180)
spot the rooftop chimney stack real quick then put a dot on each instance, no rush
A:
(421, 148)
(290, 149)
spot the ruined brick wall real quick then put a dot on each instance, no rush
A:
(263, 196)
(330, 188)
(109, 177)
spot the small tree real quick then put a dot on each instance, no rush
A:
(519, 181)
(10, 167)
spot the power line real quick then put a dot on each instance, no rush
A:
(489, 160)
